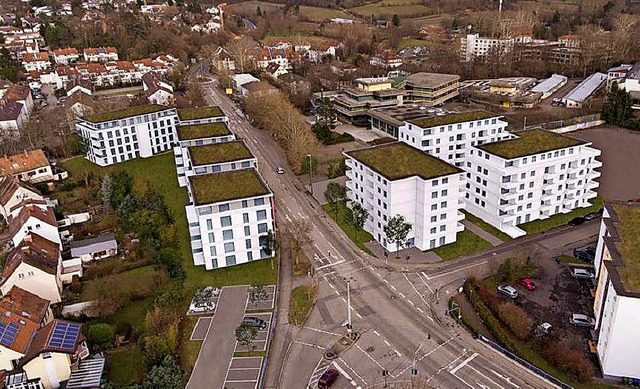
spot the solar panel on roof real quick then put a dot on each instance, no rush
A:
(64, 335)
(8, 333)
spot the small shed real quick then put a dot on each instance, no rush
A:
(99, 247)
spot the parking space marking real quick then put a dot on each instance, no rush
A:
(208, 321)
(424, 281)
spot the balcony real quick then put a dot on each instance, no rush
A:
(97, 138)
(593, 175)
(592, 185)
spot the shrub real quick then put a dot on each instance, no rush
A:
(154, 349)
(568, 359)
(76, 285)
(124, 329)
(337, 168)
(101, 336)
(515, 318)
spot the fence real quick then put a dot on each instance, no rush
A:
(524, 363)
(568, 125)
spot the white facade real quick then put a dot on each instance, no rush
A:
(473, 45)
(187, 168)
(131, 135)
(45, 285)
(34, 225)
(14, 196)
(432, 205)
(615, 308)
(230, 232)
(508, 191)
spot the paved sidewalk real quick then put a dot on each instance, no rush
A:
(217, 349)
(482, 233)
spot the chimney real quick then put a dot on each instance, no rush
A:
(26, 153)
(28, 239)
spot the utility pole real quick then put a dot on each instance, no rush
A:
(310, 171)
(349, 323)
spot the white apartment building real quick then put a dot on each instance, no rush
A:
(229, 215)
(214, 158)
(100, 54)
(473, 45)
(535, 175)
(617, 300)
(396, 179)
(134, 132)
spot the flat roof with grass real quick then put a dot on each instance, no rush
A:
(200, 113)
(219, 153)
(628, 229)
(125, 113)
(452, 118)
(529, 143)
(199, 131)
(396, 161)
(232, 185)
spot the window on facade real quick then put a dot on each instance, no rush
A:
(231, 260)
(225, 221)
(245, 218)
(443, 228)
(259, 201)
(262, 228)
(247, 243)
(434, 195)
(223, 207)
(227, 234)
(245, 203)
(262, 214)
(229, 247)
(209, 224)
(434, 219)
(212, 251)
(211, 237)
(433, 230)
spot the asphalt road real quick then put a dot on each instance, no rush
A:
(394, 311)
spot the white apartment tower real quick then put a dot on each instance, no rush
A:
(617, 300)
(229, 215)
(535, 175)
(396, 179)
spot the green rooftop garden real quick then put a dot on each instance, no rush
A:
(452, 118)
(529, 143)
(199, 131)
(629, 230)
(232, 185)
(396, 161)
(124, 113)
(199, 113)
(219, 153)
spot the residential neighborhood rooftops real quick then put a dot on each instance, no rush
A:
(200, 113)
(529, 143)
(25, 303)
(16, 330)
(125, 113)
(452, 118)
(96, 244)
(626, 222)
(58, 336)
(23, 162)
(219, 153)
(397, 161)
(199, 131)
(231, 185)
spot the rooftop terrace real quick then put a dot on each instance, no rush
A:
(200, 113)
(397, 161)
(628, 229)
(219, 153)
(125, 113)
(452, 118)
(529, 143)
(232, 185)
(199, 131)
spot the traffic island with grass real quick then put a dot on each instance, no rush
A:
(302, 299)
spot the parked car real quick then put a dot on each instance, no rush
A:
(580, 320)
(255, 322)
(543, 329)
(576, 221)
(508, 291)
(328, 378)
(592, 215)
(582, 273)
(202, 306)
(280, 170)
(586, 254)
(526, 283)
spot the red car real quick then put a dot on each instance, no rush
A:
(328, 377)
(526, 283)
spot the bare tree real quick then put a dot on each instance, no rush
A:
(242, 51)
(298, 233)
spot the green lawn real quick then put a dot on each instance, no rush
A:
(412, 42)
(302, 299)
(126, 365)
(569, 260)
(143, 278)
(467, 243)
(363, 236)
(487, 227)
(561, 219)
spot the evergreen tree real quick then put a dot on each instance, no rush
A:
(395, 21)
(617, 108)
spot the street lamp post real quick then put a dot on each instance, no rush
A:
(349, 323)
(310, 171)
(414, 371)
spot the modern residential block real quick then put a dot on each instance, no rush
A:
(617, 299)
(397, 179)
(215, 158)
(535, 175)
(134, 132)
(229, 215)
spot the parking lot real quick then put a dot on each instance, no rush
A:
(264, 303)
(243, 373)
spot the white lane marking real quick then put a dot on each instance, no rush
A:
(506, 378)
(492, 381)
(379, 275)
(359, 315)
(394, 288)
(426, 355)
(420, 310)
(353, 371)
(341, 370)
(463, 363)
(402, 295)
(331, 264)
(411, 302)
(387, 343)
(331, 285)
(338, 293)
(425, 281)
(385, 281)
(343, 299)
(376, 332)
(371, 358)
(397, 353)
(309, 345)
(321, 331)
(417, 292)
(430, 318)
(286, 216)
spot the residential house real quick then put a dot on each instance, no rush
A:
(100, 54)
(34, 265)
(18, 329)
(266, 56)
(201, 115)
(387, 60)
(534, 175)
(223, 60)
(631, 84)
(28, 305)
(36, 61)
(396, 179)
(33, 218)
(216, 158)
(28, 166)
(229, 224)
(79, 85)
(66, 56)
(96, 248)
(14, 192)
(16, 105)
(275, 70)
(259, 88)
(550, 85)
(318, 51)
(617, 295)
(157, 89)
(240, 80)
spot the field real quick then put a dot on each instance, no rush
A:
(387, 8)
(318, 14)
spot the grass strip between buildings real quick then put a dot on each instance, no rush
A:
(466, 243)
(360, 239)
(487, 227)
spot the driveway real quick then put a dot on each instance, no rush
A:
(217, 349)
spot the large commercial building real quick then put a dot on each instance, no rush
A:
(229, 214)
(431, 88)
(396, 179)
(353, 104)
(617, 299)
(532, 176)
